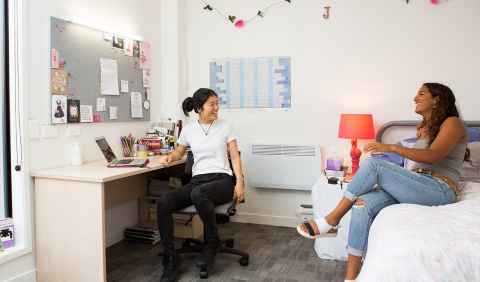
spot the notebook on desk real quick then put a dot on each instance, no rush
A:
(112, 159)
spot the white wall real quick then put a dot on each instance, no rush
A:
(369, 57)
(126, 16)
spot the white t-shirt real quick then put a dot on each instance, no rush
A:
(208, 145)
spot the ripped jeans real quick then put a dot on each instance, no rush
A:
(380, 184)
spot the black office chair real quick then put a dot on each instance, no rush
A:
(223, 212)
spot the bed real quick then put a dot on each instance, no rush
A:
(419, 243)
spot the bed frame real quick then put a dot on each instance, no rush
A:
(409, 123)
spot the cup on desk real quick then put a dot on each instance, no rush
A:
(142, 151)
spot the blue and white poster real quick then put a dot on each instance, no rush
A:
(252, 82)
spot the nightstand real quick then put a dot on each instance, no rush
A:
(324, 198)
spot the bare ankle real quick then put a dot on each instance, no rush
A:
(331, 221)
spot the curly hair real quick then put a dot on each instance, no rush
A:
(444, 109)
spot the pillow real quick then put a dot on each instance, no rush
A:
(474, 153)
(471, 169)
(390, 157)
(473, 134)
(396, 158)
(409, 143)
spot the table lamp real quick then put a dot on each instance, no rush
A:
(356, 126)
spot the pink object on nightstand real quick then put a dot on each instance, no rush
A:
(356, 126)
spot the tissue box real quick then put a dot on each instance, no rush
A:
(6, 233)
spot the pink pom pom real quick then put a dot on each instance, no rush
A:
(239, 23)
(434, 2)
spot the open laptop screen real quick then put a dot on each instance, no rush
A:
(105, 148)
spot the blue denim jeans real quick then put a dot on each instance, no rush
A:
(380, 184)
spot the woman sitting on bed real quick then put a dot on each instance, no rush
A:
(438, 153)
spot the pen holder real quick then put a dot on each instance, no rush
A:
(128, 146)
(128, 152)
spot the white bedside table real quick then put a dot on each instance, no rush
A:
(324, 198)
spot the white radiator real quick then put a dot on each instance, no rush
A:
(295, 167)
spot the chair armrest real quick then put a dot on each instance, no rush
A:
(232, 209)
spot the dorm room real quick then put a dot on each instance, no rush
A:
(282, 75)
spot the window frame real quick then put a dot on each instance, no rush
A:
(21, 183)
(6, 116)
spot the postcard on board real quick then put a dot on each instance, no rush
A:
(59, 109)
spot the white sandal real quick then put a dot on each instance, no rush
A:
(325, 229)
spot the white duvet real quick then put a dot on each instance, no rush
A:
(419, 243)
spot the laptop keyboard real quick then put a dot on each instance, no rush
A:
(125, 161)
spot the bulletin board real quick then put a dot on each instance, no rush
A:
(77, 52)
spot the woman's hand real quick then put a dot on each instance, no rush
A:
(165, 159)
(376, 147)
(239, 192)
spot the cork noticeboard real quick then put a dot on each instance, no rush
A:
(78, 51)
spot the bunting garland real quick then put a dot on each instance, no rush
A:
(238, 22)
(241, 23)
(433, 2)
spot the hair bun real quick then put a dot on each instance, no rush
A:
(187, 105)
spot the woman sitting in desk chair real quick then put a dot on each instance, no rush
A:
(211, 141)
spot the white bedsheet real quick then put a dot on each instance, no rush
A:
(419, 243)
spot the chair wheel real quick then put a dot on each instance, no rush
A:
(203, 273)
(243, 261)
(229, 243)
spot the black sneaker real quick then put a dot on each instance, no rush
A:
(170, 269)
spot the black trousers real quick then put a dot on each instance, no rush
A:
(205, 191)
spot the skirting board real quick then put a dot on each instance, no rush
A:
(286, 221)
(29, 276)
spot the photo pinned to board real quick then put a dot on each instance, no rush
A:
(73, 111)
(59, 109)
(118, 42)
(59, 82)
(124, 86)
(136, 48)
(146, 78)
(128, 47)
(86, 113)
(113, 112)
(145, 55)
(97, 117)
(101, 104)
(55, 61)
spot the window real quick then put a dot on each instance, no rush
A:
(5, 179)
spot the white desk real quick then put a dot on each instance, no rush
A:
(70, 205)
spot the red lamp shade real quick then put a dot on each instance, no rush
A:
(356, 126)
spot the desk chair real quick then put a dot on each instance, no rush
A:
(223, 211)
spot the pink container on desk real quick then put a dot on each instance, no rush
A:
(334, 164)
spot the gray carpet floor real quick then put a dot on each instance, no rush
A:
(277, 254)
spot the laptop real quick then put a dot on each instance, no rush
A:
(112, 159)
